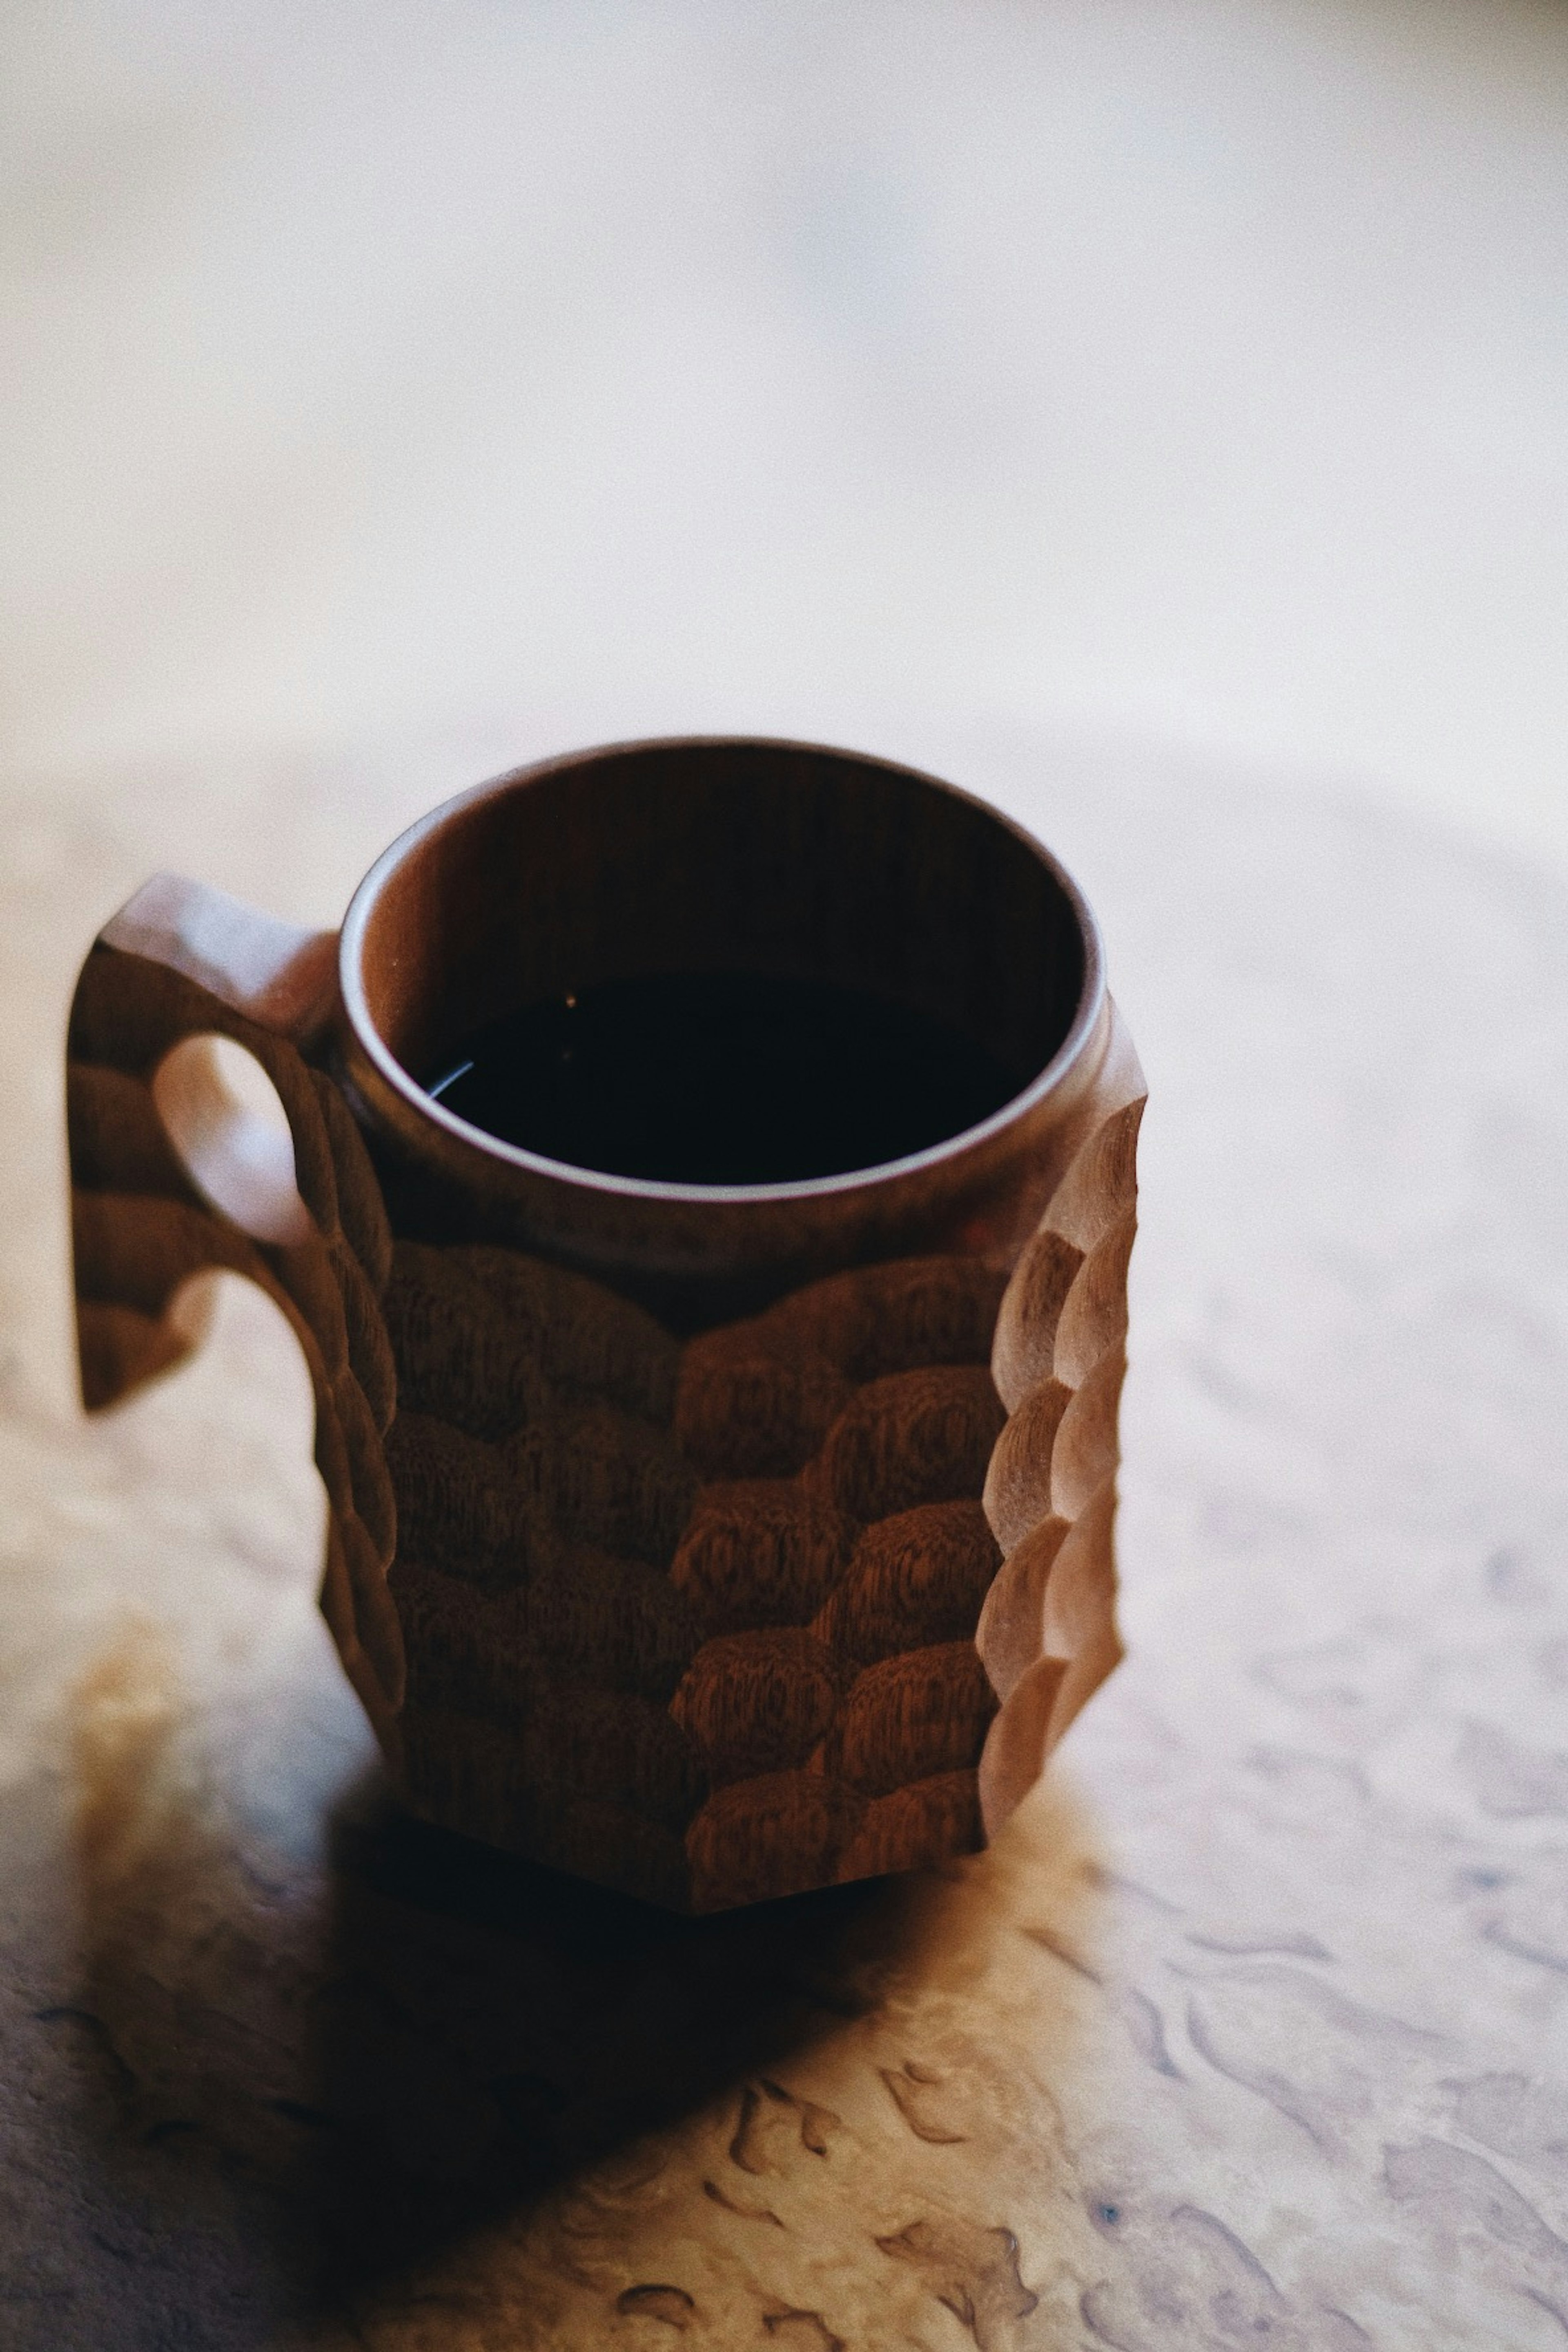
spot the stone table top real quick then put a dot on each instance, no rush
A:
(1252, 2029)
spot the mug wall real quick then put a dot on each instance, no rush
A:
(709, 1606)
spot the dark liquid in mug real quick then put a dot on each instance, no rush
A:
(722, 1078)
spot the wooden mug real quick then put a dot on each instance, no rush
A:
(709, 1542)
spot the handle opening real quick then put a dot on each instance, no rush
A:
(223, 1116)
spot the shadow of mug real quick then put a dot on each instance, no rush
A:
(434, 2079)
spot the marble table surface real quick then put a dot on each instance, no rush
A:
(1252, 2029)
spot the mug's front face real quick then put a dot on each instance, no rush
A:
(699, 1461)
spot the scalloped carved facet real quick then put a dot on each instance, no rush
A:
(1048, 1628)
(697, 1622)
(808, 1597)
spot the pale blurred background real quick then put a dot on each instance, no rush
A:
(1178, 373)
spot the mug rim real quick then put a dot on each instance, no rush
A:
(1086, 1012)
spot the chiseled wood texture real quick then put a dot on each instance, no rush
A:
(182, 962)
(697, 1623)
(700, 1622)
(1047, 1630)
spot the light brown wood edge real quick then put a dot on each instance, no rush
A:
(182, 960)
(1047, 1635)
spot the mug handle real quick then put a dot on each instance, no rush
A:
(171, 1178)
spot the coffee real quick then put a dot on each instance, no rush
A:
(722, 1078)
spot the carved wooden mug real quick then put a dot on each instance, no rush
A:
(710, 1541)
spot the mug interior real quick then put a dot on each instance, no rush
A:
(714, 857)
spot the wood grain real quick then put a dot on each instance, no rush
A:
(839, 1716)
(722, 1593)
(181, 962)
(709, 1616)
